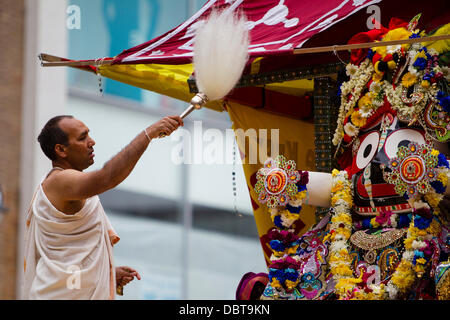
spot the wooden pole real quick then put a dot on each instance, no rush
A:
(368, 45)
(48, 60)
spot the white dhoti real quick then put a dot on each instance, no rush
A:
(68, 256)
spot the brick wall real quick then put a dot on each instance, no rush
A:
(11, 73)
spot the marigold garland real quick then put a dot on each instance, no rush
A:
(423, 226)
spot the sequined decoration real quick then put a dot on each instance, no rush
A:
(413, 170)
(437, 120)
(277, 181)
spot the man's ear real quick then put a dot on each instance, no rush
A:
(60, 150)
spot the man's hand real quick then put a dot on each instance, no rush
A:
(164, 126)
(126, 274)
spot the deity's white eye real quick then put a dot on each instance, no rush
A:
(367, 149)
(401, 137)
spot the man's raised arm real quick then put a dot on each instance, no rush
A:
(69, 185)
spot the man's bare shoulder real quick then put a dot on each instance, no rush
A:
(59, 183)
(58, 177)
(59, 188)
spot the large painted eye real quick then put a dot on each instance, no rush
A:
(401, 137)
(367, 149)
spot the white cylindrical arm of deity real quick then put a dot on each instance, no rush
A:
(319, 189)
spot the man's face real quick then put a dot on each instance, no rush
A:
(79, 152)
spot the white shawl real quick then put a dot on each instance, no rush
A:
(68, 256)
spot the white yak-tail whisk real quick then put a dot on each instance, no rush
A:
(220, 53)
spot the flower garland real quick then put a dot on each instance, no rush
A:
(277, 176)
(351, 92)
(425, 82)
(424, 225)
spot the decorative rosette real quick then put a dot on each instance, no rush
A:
(277, 181)
(413, 170)
(283, 189)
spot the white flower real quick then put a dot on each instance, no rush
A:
(377, 102)
(392, 290)
(337, 246)
(408, 255)
(341, 205)
(376, 288)
(273, 257)
(295, 202)
(375, 87)
(413, 71)
(394, 221)
(350, 129)
(446, 72)
(287, 222)
(416, 245)
(366, 111)
(351, 70)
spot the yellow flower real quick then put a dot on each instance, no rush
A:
(336, 188)
(275, 284)
(342, 270)
(434, 153)
(345, 285)
(300, 195)
(433, 199)
(404, 277)
(342, 218)
(342, 232)
(278, 253)
(377, 77)
(396, 34)
(292, 250)
(421, 54)
(291, 284)
(408, 243)
(380, 50)
(289, 215)
(421, 261)
(374, 223)
(358, 120)
(434, 228)
(365, 101)
(341, 195)
(334, 173)
(408, 79)
(442, 177)
(419, 268)
(425, 84)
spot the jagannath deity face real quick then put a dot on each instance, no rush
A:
(374, 152)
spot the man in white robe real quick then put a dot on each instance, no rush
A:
(69, 239)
